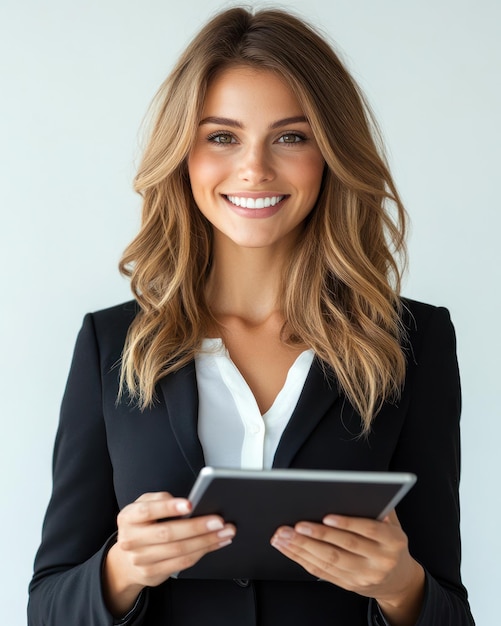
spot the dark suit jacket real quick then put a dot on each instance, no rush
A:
(106, 455)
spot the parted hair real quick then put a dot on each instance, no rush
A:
(340, 289)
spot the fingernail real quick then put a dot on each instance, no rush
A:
(227, 532)
(304, 529)
(225, 543)
(331, 520)
(182, 506)
(282, 537)
(278, 542)
(215, 524)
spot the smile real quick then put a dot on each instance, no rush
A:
(254, 203)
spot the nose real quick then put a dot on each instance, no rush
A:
(255, 166)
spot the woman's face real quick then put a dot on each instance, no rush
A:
(255, 169)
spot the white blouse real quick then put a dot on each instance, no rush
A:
(231, 429)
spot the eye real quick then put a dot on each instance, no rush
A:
(221, 138)
(291, 138)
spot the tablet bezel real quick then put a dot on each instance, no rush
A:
(208, 474)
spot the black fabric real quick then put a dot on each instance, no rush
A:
(108, 455)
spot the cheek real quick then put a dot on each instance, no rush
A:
(205, 171)
(310, 174)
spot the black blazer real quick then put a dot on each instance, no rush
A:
(106, 455)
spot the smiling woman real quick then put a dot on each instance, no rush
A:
(267, 330)
(255, 169)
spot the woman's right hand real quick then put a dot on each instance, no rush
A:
(147, 551)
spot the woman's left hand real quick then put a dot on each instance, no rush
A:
(362, 555)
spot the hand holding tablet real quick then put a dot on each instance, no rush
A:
(260, 501)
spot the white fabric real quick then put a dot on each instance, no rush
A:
(231, 429)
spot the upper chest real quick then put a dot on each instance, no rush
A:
(261, 357)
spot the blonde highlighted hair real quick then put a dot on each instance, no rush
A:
(340, 294)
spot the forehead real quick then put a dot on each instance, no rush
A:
(243, 90)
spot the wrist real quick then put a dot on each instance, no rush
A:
(404, 608)
(120, 592)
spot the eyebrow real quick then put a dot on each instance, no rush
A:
(226, 121)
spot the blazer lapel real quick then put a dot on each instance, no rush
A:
(180, 393)
(319, 393)
(181, 399)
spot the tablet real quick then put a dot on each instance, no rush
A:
(259, 501)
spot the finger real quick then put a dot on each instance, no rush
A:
(319, 559)
(392, 518)
(379, 551)
(135, 536)
(316, 549)
(348, 541)
(373, 530)
(153, 572)
(147, 509)
(195, 545)
(379, 536)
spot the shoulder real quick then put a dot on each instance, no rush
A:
(117, 317)
(416, 313)
(417, 317)
(427, 327)
(109, 328)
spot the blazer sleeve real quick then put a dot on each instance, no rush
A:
(429, 446)
(80, 521)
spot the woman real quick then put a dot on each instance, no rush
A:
(266, 238)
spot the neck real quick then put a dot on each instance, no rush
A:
(245, 282)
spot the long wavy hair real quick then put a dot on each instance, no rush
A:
(340, 291)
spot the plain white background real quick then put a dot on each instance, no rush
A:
(76, 79)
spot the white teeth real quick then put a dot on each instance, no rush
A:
(255, 203)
